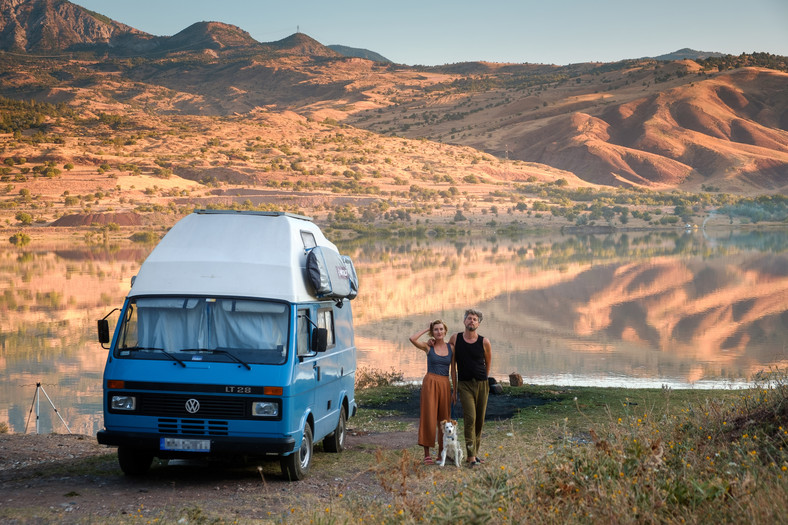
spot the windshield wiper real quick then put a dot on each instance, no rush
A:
(133, 348)
(217, 351)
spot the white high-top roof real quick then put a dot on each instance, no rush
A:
(231, 253)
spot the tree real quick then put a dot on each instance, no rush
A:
(684, 212)
(24, 218)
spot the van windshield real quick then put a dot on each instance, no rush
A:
(187, 329)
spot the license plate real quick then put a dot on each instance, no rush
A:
(185, 445)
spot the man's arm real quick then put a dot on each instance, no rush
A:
(487, 355)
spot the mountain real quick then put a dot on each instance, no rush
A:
(45, 26)
(688, 54)
(720, 121)
(643, 123)
(210, 35)
(687, 135)
(301, 44)
(358, 53)
(58, 26)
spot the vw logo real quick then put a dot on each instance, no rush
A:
(192, 406)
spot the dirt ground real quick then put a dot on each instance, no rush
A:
(72, 479)
(45, 478)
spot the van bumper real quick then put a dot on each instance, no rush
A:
(220, 445)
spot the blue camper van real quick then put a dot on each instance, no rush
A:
(235, 340)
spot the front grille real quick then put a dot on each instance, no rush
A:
(197, 406)
(193, 427)
(210, 406)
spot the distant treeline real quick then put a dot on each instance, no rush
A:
(19, 115)
(767, 60)
(764, 208)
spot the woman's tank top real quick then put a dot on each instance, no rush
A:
(438, 364)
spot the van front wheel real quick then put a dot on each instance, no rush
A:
(335, 442)
(134, 462)
(295, 467)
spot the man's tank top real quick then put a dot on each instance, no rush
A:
(470, 359)
(438, 364)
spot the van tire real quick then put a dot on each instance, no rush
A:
(335, 442)
(295, 467)
(134, 462)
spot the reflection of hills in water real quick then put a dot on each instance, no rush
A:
(664, 306)
(698, 306)
(719, 297)
(62, 284)
(50, 298)
(675, 306)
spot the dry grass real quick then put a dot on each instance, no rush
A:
(722, 459)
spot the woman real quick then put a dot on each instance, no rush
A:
(436, 393)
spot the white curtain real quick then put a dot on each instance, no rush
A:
(175, 324)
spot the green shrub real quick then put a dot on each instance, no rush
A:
(24, 218)
(19, 238)
(373, 377)
(145, 237)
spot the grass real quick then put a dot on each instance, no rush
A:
(584, 455)
(602, 455)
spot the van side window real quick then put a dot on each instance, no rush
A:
(325, 319)
(302, 337)
(308, 239)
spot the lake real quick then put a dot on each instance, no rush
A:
(686, 309)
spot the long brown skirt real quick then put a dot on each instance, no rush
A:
(435, 407)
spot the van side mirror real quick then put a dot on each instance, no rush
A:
(103, 331)
(319, 339)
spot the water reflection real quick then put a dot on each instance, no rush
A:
(640, 310)
(637, 309)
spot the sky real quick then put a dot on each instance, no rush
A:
(436, 32)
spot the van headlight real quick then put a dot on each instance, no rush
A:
(265, 408)
(128, 403)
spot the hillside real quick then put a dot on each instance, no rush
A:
(358, 53)
(210, 35)
(209, 115)
(53, 26)
(644, 123)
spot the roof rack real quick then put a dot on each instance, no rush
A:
(251, 212)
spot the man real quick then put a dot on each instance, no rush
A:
(472, 357)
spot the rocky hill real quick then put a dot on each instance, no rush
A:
(54, 26)
(715, 122)
(358, 53)
(210, 35)
(687, 54)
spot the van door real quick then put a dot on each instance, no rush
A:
(318, 368)
(306, 370)
(326, 398)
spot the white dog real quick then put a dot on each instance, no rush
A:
(451, 443)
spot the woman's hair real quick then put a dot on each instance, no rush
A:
(438, 321)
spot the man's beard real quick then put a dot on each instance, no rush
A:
(471, 328)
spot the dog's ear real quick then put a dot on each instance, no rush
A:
(444, 421)
(454, 422)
